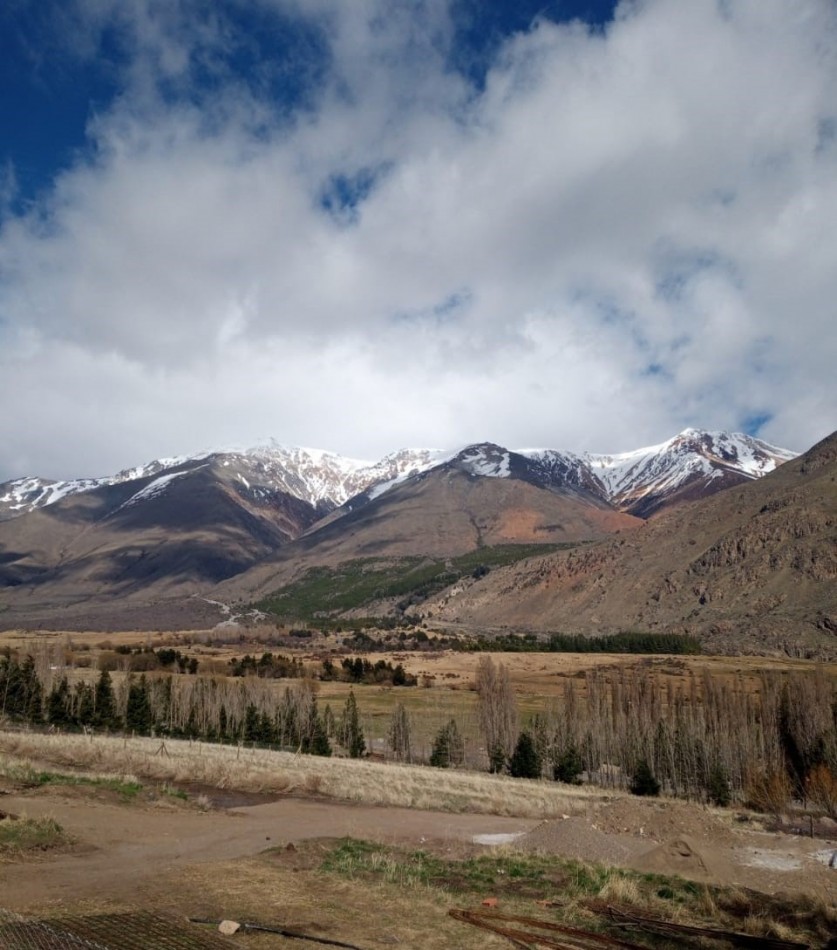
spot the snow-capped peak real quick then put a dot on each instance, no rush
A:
(659, 470)
(637, 480)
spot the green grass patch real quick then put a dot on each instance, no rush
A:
(34, 778)
(323, 593)
(574, 889)
(21, 835)
(366, 860)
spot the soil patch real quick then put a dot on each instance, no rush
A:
(227, 798)
(684, 857)
(577, 838)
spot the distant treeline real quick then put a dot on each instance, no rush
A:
(627, 642)
(214, 709)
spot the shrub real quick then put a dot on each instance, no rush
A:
(643, 781)
(821, 788)
(717, 786)
(768, 792)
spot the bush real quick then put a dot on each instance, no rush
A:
(717, 786)
(821, 788)
(643, 781)
(768, 792)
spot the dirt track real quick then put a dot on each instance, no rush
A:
(122, 846)
(119, 845)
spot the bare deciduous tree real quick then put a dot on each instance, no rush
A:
(497, 711)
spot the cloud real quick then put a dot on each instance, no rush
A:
(620, 233)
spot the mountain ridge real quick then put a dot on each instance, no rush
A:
(753, 567)
(638, 482)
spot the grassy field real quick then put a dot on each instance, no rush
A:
(258, 770)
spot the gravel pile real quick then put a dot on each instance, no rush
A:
(577, 838)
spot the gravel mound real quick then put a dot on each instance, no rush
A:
(577, 838)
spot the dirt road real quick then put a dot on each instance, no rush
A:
(120, 845)
(122, 848)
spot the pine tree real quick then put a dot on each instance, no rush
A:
(318, 743)
(351, 733)
(138, 716)
(58, 704)
(251, 724)
(717, 786)
(448, 747)
(33, 694)
(105, 703)
(83, 702)
(525, 761)
(568, 767)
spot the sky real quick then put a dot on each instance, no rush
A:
(362, 226)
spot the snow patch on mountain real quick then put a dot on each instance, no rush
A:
(153, 489)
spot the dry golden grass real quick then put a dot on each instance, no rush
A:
(261, 770)
(361, 912)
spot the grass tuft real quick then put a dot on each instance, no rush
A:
(21, 835)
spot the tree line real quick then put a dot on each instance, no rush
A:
(214, 709)
(706, 738)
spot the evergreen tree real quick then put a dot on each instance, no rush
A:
(496, 759)
(351, 734)
(138, 716)
(251, 724)
(318, 743)
(525, 761)
(83, 701)
(267, 730)
(58, 705)
(105, 703)
(717, 786)
(448, 747)
(32, 692)
(568, 767)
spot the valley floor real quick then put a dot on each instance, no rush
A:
(220, 854)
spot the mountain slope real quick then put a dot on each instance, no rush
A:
(750, 567)
(184, 530)
(481, 497)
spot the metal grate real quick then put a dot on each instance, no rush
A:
(126, 931)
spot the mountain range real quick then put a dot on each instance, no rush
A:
(640, 482)
(157, 545)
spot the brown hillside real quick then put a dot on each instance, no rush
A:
(442, 513)
(99, 545)
(749, 569)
